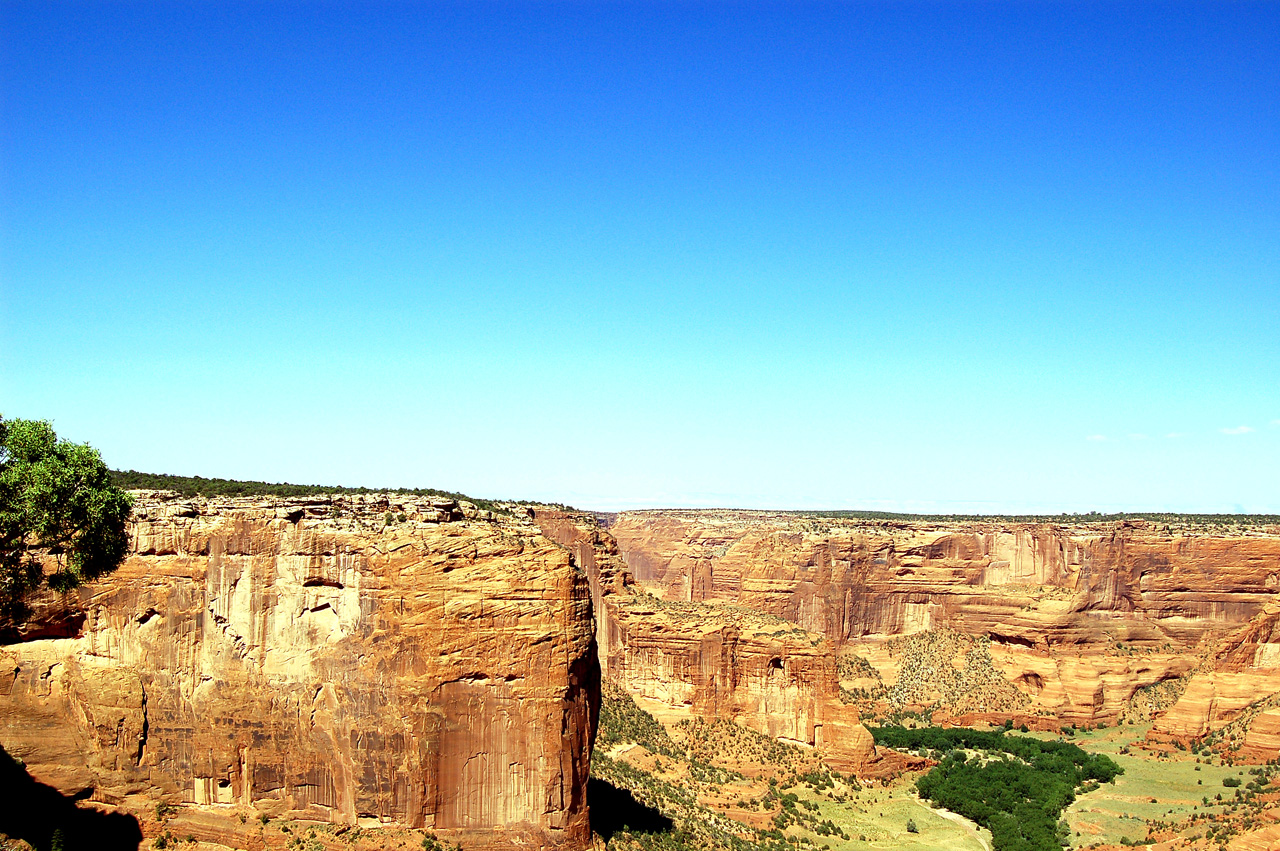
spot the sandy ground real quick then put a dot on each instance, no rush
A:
(963, 822)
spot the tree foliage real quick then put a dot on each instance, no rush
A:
(62, 521)
(1016, 786)
(199, 486)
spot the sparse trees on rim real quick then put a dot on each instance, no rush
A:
(62, 521)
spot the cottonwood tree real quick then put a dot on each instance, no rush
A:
(62, 521)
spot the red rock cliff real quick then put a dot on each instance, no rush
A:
(850, 579)
(1080, 617)
(300, 658)
(685, 660)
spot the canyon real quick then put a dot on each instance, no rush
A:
(683, 660)
(386, 662)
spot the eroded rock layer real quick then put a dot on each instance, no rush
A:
(685, 660)
(1083, 622)
(354, 659)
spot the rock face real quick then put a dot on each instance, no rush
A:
(307, 659)
(1082, 619)
(1236, 691)
(698, 660)
(1262, 741)
(1046, 585)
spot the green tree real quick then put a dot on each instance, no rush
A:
(62, 521)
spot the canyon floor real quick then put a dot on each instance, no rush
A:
(729, 786)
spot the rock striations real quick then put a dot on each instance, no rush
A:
(1082, 621)
(409, 662)
(362, 660)
(685, 660)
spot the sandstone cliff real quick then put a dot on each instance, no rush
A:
(363, 660)
(1234, 695)
(1082, 619)
(686, 659)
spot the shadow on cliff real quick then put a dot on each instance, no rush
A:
(614, 809)
(33, 811)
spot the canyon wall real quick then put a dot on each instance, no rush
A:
(1234, 695)
(693, 660)
(1046, 585)
(362, 660)
(408, 662)
(1081, 620)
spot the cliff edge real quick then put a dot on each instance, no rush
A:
(366, 660)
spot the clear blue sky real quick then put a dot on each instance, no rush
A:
(946, 257)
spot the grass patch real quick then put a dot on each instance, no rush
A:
(1153, 792)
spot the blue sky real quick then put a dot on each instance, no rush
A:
(941, 257)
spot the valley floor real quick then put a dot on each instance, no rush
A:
(726, 787)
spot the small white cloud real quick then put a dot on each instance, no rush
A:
(1137, 437)
(1096, 438)
(1174, 435)
(1236, 430)
(1275, 422)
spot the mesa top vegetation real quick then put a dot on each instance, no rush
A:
(192, 486)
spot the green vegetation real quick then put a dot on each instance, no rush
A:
(622, 721)
(1017, 787)
(198, 486)
(726, 742)
(59, 509)
(686, 823)
(1166, 795)
(675, 818)
(431, 843)
(943, 668)
(1090, 517)
(718, 786)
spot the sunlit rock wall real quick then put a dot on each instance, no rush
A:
(306, 659)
